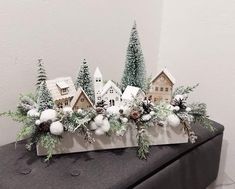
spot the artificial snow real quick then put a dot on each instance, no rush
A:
(48, 114)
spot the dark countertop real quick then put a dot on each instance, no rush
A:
(116, 169)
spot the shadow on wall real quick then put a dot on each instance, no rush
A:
(223, 179)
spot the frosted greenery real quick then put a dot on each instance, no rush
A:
(84, 81)
(134, 72)
(26, 103)
(44, 100)
(42, 76)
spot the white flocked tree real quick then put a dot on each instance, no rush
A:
(134, 72)
(84, 81)
(44, 98)
(42, 76)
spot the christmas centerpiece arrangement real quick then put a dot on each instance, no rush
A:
(63, 116)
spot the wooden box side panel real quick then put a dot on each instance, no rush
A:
(73, 142)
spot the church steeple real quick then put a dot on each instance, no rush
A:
(98, 84)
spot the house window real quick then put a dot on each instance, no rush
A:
(66, 103)
(82, 99)
(166, 89)
(166, 99)
(64, 91)
(161, 89)
(111, 90)
(156, 88)
(98, 80)
(60, 105)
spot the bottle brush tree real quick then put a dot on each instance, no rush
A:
(44, 98)
(134, 72)
(84, 81)
(42, 76)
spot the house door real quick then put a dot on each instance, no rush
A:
(111, 102)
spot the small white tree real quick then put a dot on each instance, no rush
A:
(44, 98)
(134, 72)
(42, 76)
(84, 81)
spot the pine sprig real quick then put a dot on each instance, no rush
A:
(199, 113)
(143, 143)
(49, 141)
(184, 90)
(143, 146)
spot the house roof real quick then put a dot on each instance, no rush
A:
(167, 73)
(108, 85)
(62, 84)
(97, 72)
(130, 92)
(77, 95)
(54, 86)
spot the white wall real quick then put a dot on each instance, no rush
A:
(198, 45)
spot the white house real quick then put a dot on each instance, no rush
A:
(109, 92)
(62, 90)
(132, 93)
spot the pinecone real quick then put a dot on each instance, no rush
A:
(135, 115)
(44, 126)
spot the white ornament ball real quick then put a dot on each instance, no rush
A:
(126, 110)
(105, 126)
(48, 114)
(152, 113)
(56, 128)
(146, 117)
(113, 110)
(188, 109)
(173, 120)
(37, 122)
(67, 110)
(33, 113)
(92, 125)
(99, 120)
(124, 120)
(79, 111)
(176, 108)
(99, 131)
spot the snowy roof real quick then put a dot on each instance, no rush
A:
(167, 73)
(62, 84)
(107, 87)
(77, 95)
(54, 88)
(97, 72)
(130, 92)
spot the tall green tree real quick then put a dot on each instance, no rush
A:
(84, 81)
(134, 72)
(44, 98)
(42, 76)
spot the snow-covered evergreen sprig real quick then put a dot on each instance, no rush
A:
(42, 76)
(44, 98)
(84, 81)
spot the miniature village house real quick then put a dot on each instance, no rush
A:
(62, 91)
(161, 87)
(109, 92)
(81, 100)
(132, 93)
